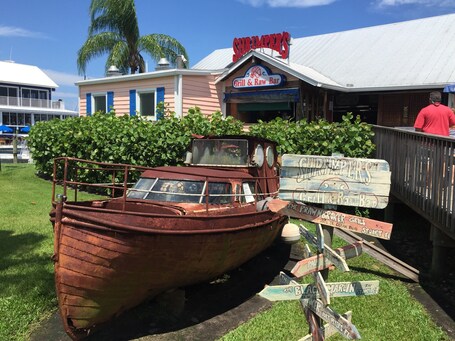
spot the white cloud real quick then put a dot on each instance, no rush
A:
(62, 78)
(10, 31)
(427, 3)
(287, 3)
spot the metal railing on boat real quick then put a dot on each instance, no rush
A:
(116, 180)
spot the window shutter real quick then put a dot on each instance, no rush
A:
(88, 99)
(159, 99)
(132, 102)
(110, 101)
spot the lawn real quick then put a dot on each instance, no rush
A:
(27, 287)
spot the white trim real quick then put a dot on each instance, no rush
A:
(178, 95)
(148, 75)
(139, 92)
(92, 100)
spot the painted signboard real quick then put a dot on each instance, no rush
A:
(293, 291)
(371, 227)
(319, 262)
(327, 330)
(344, 327)
(335, 180)
(328, 253)
(258, 76)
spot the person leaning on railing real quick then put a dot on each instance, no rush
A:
(435, 118)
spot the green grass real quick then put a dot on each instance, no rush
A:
(393, 314)
(27, 293)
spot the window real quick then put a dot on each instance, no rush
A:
(35, 98)
(8, 95)
(99, 103)
(146, 103)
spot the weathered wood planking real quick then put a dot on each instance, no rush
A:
(320, 262)
(328, 330)
(292, 291)
(334, 257)
(371, 227)
(335, 180)
(344, 327)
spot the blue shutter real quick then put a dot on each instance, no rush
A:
(110, 101)
(132, 102)
(88, 99)
(159, 99)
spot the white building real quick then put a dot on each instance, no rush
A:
(26, 97)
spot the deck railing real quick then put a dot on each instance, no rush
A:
(30, 102)
(423, 172)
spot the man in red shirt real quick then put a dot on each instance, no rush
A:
(435, 118)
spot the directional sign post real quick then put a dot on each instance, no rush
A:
(329, 181)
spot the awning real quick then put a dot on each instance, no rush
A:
(450, 88)
(266, 96)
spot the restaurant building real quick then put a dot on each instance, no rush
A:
(382, 73)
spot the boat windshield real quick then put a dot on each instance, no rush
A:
(227, 152)
(184, 191)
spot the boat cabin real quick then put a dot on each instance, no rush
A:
(219, 171)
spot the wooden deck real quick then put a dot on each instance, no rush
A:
(423, 173)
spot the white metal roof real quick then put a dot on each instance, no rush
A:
(407, 55)
(21, 74)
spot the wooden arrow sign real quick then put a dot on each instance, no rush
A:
(327, 330)
(341, 324)
(336, 219)
(306, 291)
(319, 262)
(328, 253)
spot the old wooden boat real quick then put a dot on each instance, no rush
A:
(174, 227)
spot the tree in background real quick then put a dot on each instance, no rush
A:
(114, 30)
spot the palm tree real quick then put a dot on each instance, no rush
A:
(114, 31)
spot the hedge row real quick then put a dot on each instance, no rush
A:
(133, 140)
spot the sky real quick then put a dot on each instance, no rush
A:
(49, 33)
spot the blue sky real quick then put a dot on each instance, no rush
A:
(49, 33)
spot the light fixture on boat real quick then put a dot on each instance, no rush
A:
(188, 158)
(258, 156)
(290, 233)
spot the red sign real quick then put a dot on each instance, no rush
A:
(278, 42)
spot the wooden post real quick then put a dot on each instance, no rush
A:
(328, 236)
(442, 245)
(15, 148)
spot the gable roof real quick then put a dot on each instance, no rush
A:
(416, 54)
(21, 74)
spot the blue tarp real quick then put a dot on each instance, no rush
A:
(6, 129)
(450, 88)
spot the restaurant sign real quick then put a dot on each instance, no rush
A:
(258, 76)
(278, 42)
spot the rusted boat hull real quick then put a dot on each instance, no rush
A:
(107, 261)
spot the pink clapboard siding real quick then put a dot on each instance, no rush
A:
(201, 92)
(198, 90)
(122, 89)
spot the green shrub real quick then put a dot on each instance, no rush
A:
(125, 139)
(351, 137)
(133, 140)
